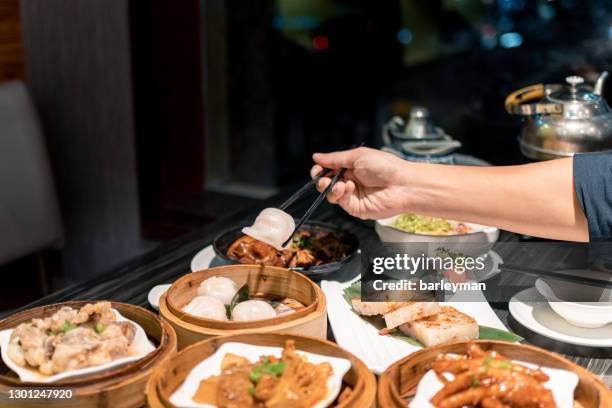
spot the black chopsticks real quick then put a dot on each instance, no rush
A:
(304, 189)
(319, 199)
(316, 202)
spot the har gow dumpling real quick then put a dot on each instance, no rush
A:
(207, 307)
(272, 226)
(252, 310)
(219, 287)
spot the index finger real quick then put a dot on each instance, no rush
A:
(315, 170)
(337, 160)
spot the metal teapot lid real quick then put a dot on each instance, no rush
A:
(573, 92)
(572, 101)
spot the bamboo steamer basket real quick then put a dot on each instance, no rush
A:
(166, 379)
(398, 383)
(118, 387)
(263, 281)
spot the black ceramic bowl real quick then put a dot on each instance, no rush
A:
(223, 241)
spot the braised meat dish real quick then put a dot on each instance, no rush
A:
(307, 249)
(70, 339)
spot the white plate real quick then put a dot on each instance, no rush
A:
(141, 346)
(156, 293)
(561, 383)
(202, 259)
(530, 309)
(182, 397)
(376, 351)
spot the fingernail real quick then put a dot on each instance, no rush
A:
(315, 155)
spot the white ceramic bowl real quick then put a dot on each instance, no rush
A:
(475, 243)
(589, 313)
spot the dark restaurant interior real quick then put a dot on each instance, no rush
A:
(126, 125)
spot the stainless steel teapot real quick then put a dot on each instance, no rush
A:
(564, 120)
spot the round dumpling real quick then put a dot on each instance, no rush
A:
(252, 310)
(272, 226)
(218, 287)
(207, 307)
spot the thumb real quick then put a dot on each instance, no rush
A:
(337, 160)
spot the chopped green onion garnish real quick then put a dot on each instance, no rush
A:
(275, 369)
(100, 327)
(67, 326)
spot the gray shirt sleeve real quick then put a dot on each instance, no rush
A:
(593, 185)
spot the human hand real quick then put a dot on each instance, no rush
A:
(374, 186)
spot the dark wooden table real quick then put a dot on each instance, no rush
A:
(132, 281)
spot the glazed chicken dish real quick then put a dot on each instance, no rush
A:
(70, 339)
(487, 379)
(307, 249)
(271, 382)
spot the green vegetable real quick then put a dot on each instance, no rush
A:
(302, 242)
(491, 333)
(475, 381)
(67, 326)
(240, 296)
(351, 292)
(410, 340)
(251, 390)
(100, 327)
(505, 364)
(421, 224)
(276, 369)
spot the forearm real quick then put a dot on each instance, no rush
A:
(535, 199)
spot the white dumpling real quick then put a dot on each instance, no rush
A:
(252, 310)
(219, 287)
(272, 226)
(207, 307)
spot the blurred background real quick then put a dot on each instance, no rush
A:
(154, 118)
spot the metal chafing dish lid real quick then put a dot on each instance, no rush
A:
(419, 139)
